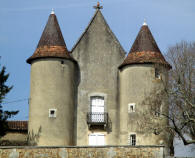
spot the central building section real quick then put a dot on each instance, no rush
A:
(99, 54)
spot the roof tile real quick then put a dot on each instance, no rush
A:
(51, 43)
(145, 50)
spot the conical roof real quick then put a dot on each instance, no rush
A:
(145, 50)
(51, 43)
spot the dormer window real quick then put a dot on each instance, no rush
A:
(157, 74)
(52, 113)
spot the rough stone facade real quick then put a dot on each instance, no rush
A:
(84, 152)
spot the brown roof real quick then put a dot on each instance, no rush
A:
(51, 43)
(17, 125)
(145, 50)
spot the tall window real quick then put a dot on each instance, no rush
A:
(96, 139)
(97, 104)
(132, 139)
(97, 108)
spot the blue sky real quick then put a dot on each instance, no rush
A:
(22, 22)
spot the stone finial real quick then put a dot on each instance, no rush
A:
(98, 6)
(144, 24)
(52, 11)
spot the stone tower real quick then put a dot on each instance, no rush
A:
(51, 113)
(98, 53)
(140, 74)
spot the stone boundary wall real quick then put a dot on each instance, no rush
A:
(83, 152)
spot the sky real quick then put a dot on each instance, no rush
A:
(22, 23)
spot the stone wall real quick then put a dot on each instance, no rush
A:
(83, 152)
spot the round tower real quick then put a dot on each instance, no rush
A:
(52, 88)
(142, 73)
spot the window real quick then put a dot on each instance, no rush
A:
(96, 139)
(62, 62)
(52, 112)
(97, 104)
(97, 108)
(157, 74)
(132, 139)
(156, 132)
(131, 107)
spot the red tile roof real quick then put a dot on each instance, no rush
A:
(145, 50)
(18, 125)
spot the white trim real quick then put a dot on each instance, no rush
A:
(98, 94)
(131, 107)
(52, 115)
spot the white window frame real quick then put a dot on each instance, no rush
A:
(52, 115)
(101, 107)
(130, 139)
(131, 107)
(98, 94)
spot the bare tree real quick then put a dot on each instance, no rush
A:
(173, 106)
(181, 90)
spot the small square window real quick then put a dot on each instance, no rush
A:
(62, 62)
(52, 112)
(131, 107)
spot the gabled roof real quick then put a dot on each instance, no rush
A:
(96, 15)
(145, 50)
(51, 43)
